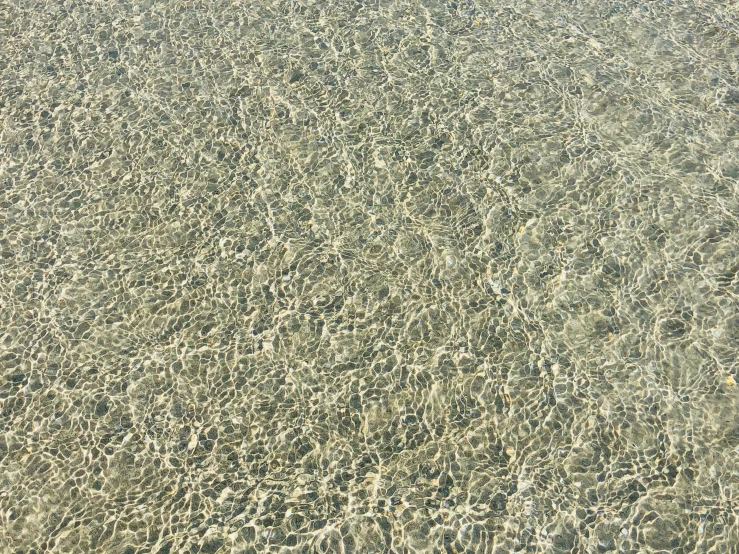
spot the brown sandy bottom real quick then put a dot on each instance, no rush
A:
(344, 277)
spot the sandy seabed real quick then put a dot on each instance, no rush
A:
(344, 277)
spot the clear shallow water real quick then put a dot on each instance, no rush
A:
(335, 277)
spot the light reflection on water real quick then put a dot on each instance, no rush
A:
(369, 276)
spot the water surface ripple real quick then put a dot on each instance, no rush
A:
(353, 277)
